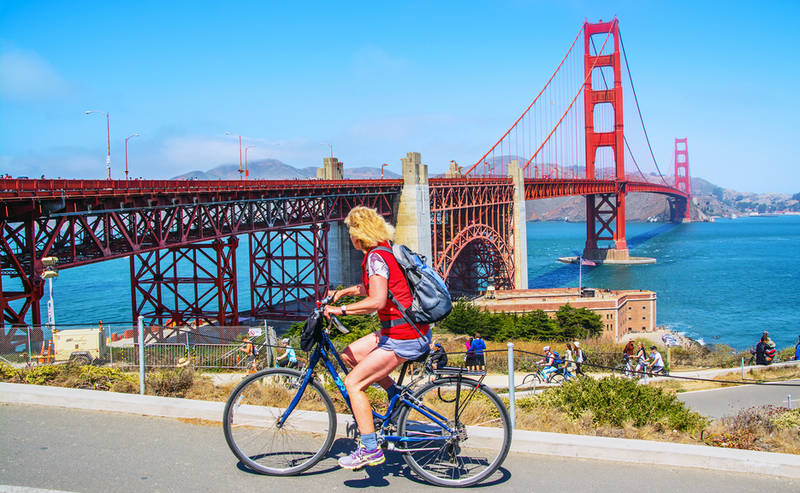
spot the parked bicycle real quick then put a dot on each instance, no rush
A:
(282, 422)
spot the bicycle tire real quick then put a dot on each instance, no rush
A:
(535, 377)
(556, 377)
(478, 406)
(250, 423)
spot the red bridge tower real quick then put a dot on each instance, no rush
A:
(682, 180)
(605, 213)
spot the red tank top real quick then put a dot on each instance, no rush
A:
(389, 314)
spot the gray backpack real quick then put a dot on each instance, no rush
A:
(431, 299)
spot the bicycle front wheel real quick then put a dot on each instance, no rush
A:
(251, 422)
(470, 452)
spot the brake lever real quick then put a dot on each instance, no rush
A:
(338, 324)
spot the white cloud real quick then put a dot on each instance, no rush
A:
(26, 76)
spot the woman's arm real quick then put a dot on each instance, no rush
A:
(378, 296)
(356, 290)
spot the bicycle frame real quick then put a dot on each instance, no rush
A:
(323, 350)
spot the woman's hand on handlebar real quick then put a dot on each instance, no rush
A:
(332, 310)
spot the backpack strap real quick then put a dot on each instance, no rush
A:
(397, 304)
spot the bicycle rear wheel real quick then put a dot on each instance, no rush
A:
(254, 434)
(468, 454)
(556, 377)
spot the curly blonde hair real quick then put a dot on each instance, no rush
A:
(368, 227)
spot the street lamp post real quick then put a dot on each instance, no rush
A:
(240, 154)
(126, 154)
(246, 171)
(383, 166)
(49, 274)
(108, 138)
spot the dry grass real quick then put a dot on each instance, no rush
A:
(766, 374)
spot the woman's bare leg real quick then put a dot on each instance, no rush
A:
(375, 367)
(358, 350)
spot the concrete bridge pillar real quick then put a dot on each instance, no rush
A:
(520, 231)
(413, 216)
(331, 169)
(344, 261)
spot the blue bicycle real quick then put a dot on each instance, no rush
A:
(281, 421)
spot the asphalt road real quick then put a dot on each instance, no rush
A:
(87, 451)
(729, 401)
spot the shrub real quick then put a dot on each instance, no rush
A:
(617, 401)
(42, 375)
(789, 420)
(170, 382)
(8, 373)
(749, 429)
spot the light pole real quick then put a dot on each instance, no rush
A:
(246, 171)
(50, 273)
(108, 138)
(240, 154)
(383, 166)
(126, 154)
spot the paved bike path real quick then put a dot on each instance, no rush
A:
(89, 451)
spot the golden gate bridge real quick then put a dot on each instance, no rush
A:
(181, 237)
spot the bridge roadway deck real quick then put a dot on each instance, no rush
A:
(86, 451)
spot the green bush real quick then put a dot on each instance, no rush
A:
(616, 401)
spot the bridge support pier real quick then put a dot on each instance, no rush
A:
(186, 287)
(520, 231)
(605, 221)
(413, 220)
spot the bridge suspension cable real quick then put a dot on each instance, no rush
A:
(568, 107)
(527, 110)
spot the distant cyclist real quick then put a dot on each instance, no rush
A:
(656, 362)
(289, 358)
(550, 362)
(797, 350)
(375, 356)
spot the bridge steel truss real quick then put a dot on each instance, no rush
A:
(472, 225)
(164, 224)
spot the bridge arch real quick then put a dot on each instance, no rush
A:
(475, 254)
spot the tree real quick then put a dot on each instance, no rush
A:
(578, 322)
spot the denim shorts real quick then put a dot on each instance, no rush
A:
(410, 349)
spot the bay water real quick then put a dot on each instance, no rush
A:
(723, 282)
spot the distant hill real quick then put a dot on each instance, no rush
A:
(709, 199)
(273, 169)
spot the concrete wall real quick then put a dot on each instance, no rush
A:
(413, 216)
(520, 232)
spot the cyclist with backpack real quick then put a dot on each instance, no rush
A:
(551, 362)
(374, 356)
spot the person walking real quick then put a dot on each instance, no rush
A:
(580, 357)
(797, 349)
(373, 357)
(477, 347)
(641, 360)
(569, 362)
(468, 363)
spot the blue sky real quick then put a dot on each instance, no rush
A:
(379, 79)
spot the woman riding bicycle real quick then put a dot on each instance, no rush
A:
(375, 356)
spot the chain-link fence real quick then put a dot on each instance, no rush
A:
(117, 345)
